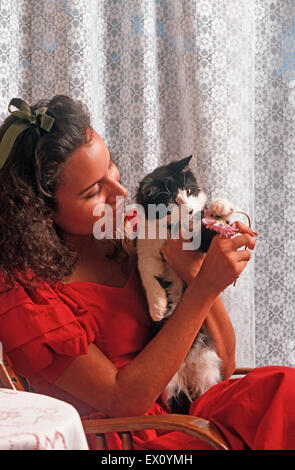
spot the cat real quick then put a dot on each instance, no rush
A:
(175, 185)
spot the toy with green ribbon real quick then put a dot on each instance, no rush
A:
(25, 119)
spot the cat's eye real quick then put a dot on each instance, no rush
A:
(188, 192)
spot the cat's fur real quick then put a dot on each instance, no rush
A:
(176, 184)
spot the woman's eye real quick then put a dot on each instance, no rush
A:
(89, 196)
(188, 192)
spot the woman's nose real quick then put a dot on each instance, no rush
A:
(116, 189)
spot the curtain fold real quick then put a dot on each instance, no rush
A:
(163, 80)
(274, 182)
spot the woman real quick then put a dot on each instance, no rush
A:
(73, 316)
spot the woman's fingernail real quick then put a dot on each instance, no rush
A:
(254, 233)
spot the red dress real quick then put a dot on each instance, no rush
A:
(43, 331)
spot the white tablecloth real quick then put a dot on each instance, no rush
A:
(31, 421)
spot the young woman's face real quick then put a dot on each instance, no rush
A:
(88, 178)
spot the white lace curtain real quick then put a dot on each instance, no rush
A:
(166, 79)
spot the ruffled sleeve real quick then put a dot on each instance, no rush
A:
(43, 330)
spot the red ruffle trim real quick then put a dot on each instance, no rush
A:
(42, 331)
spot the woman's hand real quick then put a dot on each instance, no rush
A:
(186, 263)
(225, 261)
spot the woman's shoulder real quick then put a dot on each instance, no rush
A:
(22, 291)
(38, 322)
(41, 303)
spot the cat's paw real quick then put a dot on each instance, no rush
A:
(158, 307)
(221, 208)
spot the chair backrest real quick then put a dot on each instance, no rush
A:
(9, 379)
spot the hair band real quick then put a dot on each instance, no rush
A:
(25, 119)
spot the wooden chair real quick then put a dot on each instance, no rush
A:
(194, 426)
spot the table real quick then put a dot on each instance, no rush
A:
(30, 421)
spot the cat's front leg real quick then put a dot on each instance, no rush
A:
(221, 208)
(150, 269)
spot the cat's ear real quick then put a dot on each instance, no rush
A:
(184, 164)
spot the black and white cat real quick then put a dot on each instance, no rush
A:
(175, 184)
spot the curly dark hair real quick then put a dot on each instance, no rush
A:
(32, 248)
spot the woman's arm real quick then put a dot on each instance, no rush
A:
(134, 388)
(220, 326)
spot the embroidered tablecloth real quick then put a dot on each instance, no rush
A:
(29, 421)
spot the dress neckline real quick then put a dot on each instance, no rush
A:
(96, 284)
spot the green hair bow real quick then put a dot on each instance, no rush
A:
(25, 119)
